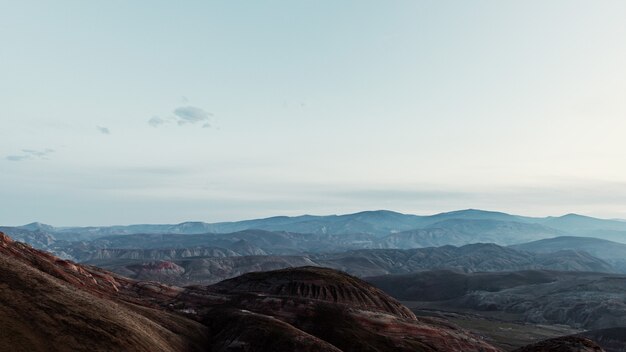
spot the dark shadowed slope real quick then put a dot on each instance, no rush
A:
(611, 339)
(439, 285)
(578, 299)
(563, 344)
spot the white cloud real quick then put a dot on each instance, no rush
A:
(191, 114)
(184, 115)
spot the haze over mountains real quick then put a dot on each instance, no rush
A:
(378, 223)
(311, 239)
(612, 252)
(369, 229)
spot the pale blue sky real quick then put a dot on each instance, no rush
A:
(120, 112)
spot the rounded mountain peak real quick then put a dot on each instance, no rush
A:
(316, 283)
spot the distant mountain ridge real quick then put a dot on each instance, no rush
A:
(378, 223)
(283, 235)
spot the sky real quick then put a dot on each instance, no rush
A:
(119, 112)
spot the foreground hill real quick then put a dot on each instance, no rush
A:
(50, 304)
(53, 304)
(316, 283)
(340, 309)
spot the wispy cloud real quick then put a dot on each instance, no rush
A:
(191, 114)
(184, 115)
(28, 154)
(103, 130)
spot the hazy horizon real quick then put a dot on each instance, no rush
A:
(159, 112)
(296, 215)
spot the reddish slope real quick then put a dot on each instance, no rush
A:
(49, 304)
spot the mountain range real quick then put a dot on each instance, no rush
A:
(311, 234)
(378, 223)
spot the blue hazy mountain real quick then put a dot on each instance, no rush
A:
(612, 252)
(460, 227)
(378, 222)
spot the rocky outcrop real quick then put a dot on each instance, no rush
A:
(5, 240)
